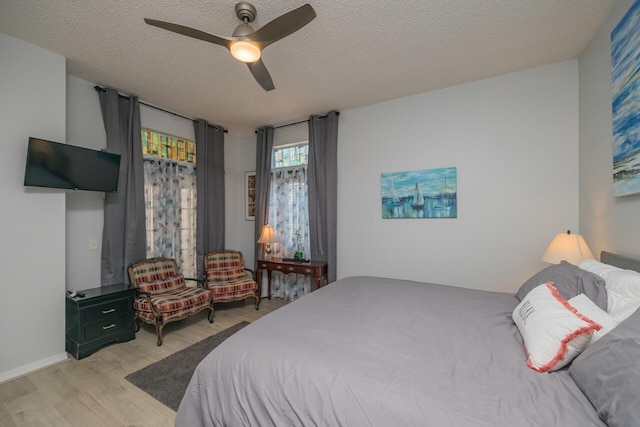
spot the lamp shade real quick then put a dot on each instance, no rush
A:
(568, 247)
(268, 235)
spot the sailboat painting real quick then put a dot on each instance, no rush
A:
(430, 193)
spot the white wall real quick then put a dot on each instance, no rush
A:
(84, 209)
(514, 140)
(607, 222)
(32, 103)
(291, 134)
(164, 122)
(239, 157)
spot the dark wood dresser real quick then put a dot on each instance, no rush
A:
(103, 316)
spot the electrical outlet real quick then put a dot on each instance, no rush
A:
(93, 244)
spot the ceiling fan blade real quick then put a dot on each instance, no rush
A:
(190, 32)
(261, 74)
(283, 25)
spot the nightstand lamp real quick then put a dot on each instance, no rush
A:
(567, 247)
(267, 237)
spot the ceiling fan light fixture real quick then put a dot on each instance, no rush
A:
(245, 51)
(246, 43)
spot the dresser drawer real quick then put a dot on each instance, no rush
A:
(287, 268)
(269, 266)
(301, 269)
(108, 326)
(116, 307)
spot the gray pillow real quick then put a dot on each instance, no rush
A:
(569, 280)
(608, 373)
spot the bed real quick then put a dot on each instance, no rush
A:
(370, 351)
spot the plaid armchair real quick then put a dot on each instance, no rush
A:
(228, 279)
(162, 295)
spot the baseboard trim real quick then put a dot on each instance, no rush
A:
(31, 367)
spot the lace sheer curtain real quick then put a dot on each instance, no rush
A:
(170, 198)
(289, 215)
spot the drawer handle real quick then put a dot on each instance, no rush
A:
(291, 268)
(113, 325)
(264, 265)
(279, 267)
(308, 270)
(111, 310)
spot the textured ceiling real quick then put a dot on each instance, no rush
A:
(354, 53)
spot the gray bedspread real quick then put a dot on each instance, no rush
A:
(368, 351)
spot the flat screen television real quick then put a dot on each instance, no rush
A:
(54, 165)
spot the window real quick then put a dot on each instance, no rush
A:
(290, 155)
(170, 198)
(289, 214)
(168, 147)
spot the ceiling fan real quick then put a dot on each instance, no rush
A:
(246, 44)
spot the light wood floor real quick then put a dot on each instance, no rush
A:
(93, 391)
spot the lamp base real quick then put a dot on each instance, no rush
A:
(267, 250)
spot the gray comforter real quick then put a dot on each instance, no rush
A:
(368, 351)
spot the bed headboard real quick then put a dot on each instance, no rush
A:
(620, 261)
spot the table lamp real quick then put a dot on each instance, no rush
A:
(568, 247)
(267, 237)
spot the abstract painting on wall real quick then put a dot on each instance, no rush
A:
(431, 193)
(625, 80)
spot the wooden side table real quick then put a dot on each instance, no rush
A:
(316, 269)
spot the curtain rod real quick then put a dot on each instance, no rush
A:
(301, 121)
(292, 124)
(99, 89)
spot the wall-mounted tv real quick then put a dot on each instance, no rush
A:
(54, 165)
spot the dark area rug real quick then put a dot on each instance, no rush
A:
(166, 380)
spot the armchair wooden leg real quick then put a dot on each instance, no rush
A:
(210, 317)
(159, 326)
(159, 332)
(136, 324)
(257, 302)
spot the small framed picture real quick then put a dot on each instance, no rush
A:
(250, 196)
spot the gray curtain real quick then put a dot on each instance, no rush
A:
(124, 231)
(210, 189)
(323, 189)
(264, 148)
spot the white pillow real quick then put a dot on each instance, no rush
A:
(597, 267)
(585, 306)
(623, 287)
(553, 331)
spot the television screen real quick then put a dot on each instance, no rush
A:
(54, 165)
